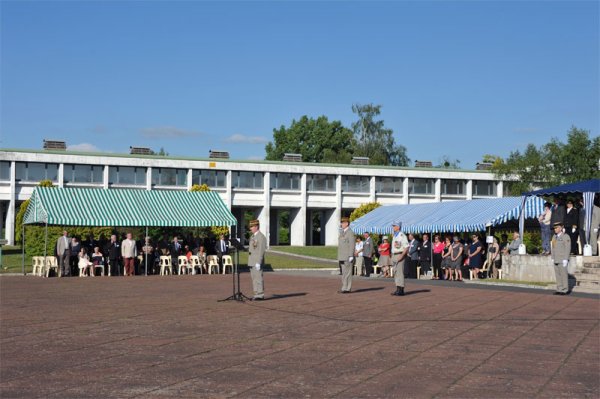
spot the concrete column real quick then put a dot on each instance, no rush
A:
(469, 188)
(264, 215)
(189, 179)
(149, 178)
(105, 177)
(372, 190)
(298, 217)
(438, 190)
(405, 196)
(229, 190)
(61, 175)
(500, 189)
(332, 227)
(10, 213)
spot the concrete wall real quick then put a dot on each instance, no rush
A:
(534, 267)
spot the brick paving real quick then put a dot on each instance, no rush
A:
(159, 337)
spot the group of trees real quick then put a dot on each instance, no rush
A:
(319, 140)
(550, 164)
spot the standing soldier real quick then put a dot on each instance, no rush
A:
(256, 259)
(346, 254)
(63, 252)
(561, 249)
(399, 251)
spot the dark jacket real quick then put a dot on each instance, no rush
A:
(571, 218)
(113, 250)
(557, 215)
(425, 251)
(218, 248)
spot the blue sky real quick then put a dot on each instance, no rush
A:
(455, 78)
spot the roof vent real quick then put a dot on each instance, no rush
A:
(218, 154)
(360, 160)
(423, 164)
(483, 166)
(55, 145)
(292, 157)
(140, 151)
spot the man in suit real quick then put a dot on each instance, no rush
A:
(571, 227)
(368, 254)
(425, 254)
(561, 250)
(129, 253)
(256, 259)
(346, 254)
(63, 252)
(593, 241)
(413, 257)
(113, 250)
(221, 248)
(175, 251)
(399, 254)
(558, 212)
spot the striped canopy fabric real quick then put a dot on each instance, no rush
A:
(116, 207)
(447, 217)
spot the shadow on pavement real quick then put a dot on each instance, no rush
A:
(415, 292)
(281, 296)
(367, 289)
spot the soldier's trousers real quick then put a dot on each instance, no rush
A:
(398, 266)
(257, 282)
(562, 278)
(346, 275)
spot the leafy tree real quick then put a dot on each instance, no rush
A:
(375, 141)
(551, 164)
(317, 140)
(162, 152)
(363, 210)
(447, 163)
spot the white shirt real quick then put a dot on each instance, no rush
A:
(358, 247)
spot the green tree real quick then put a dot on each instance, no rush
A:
(317, 140)
(363, 210)
(447, 163)
(375, 141)
(551, 164)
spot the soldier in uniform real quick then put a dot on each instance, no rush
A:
(346, 254)
(256, 259)
(399, 251)
(560, 250)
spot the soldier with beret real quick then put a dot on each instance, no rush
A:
(346, 254)
(561, 250)
(256, 259)
(399, 251)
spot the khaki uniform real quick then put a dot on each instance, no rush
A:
(561, 249)
(399, 250)
(256, 256)
(345, 253)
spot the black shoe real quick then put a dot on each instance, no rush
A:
(367, 275)
(258, 298)
(558, 293)
(397, 292)
(401, 293)
(343, 292)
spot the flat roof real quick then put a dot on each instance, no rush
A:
(251, 161)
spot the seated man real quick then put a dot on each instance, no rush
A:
(513, 247)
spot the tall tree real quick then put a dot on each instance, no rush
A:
(374, 140)
(551, 164)
(317, 140)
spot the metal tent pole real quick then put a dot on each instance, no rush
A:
(146, 252)
(23, 249)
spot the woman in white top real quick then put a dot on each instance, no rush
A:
(358, 256)
(84, 263)
(545, 228)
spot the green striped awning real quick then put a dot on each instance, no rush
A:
(116, 207)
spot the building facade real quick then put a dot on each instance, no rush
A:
(312, 196)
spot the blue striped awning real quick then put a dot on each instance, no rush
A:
(451, 216)
(117, 207)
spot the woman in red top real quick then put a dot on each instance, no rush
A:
(438, 248)
(384, 256)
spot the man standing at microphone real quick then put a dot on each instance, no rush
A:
(256, 259)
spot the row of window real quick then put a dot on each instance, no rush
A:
(130, 175)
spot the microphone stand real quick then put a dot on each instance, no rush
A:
(237, 294)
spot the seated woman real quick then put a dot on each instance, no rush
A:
(384, 256)
(97, 260)
(202, 258)
(84, 262)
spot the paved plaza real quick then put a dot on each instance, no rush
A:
(160, 337)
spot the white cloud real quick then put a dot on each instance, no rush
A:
(162, 132)
(83, 147)
(240, 138)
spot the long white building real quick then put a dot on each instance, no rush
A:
(315, 195)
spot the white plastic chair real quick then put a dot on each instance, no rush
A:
(165, 265)
(196, 264)
(213, 262)
(38, 264)
(227, 262)
(182, 263)
(100, 266)
(51, 263)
